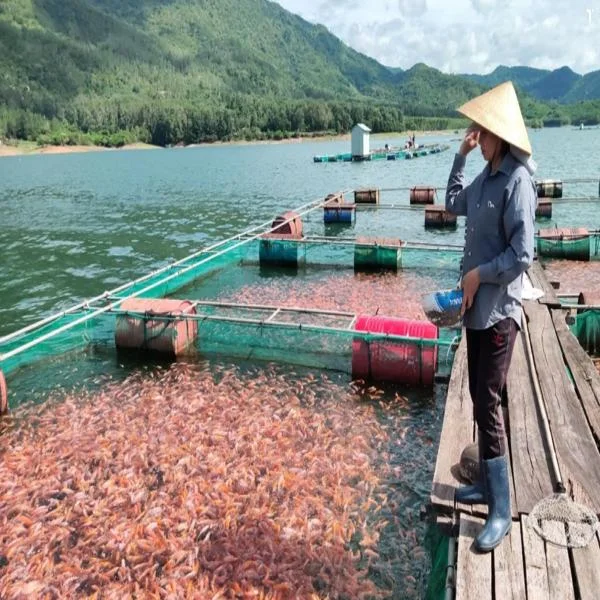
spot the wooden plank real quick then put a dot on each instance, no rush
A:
(586, 563)
(473, 570)
(539, 280)
(457, 432)
(531, 472)
(509, 570)
(577, 454)
(585, 375)
(536, 571)
(560, 580)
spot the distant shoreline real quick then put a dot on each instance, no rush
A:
(20, 148)
(23, 148)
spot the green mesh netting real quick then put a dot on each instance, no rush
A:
(587, 330)
(75, 337)
(317, 347)
(311, 340)
(79, 335)
(595, 247)
(437, 547)
(345, 253)
(193, 269)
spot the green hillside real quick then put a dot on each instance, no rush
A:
(170, 71)
(587, 88)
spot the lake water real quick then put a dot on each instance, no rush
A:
(76, 225)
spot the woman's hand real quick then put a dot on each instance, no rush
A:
(470, 285)
(471, 140)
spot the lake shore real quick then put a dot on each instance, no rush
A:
(24, 148)
(20, 148)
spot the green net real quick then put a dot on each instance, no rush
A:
(323, 344)
(46, 341)
(595, 247)
(186, 272)
(319, 340)
(437, 546)
(348, 253)
(74, 329)
(586, 329)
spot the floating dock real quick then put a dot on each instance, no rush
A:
(524, 565)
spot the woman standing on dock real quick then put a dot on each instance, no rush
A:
(500, 208)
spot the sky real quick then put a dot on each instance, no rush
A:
(464, 36)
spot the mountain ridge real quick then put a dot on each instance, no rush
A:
(562, 84)
(171, 71)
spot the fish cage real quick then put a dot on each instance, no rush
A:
(168, 312)
(151, 361)
(391, 154)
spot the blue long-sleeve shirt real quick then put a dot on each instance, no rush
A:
(500, 211)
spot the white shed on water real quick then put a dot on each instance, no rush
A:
(360, 141)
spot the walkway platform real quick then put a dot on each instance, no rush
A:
(524, 565)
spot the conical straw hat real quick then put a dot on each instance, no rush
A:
(499, 112)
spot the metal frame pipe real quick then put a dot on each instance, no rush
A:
(97, 312)
(283, 325)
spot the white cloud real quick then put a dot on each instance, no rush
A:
(464, 36)
(485, 7)
(412, 8)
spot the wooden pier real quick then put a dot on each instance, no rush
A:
(524, 566)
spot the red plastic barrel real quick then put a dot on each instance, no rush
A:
(3, 395)
(169, 336)
(293, 227)
(392, 361)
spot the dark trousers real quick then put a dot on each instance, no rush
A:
(488, 354)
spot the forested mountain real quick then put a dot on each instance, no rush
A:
(562, 85)
(170, 71)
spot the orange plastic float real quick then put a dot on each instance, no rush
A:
(168, 335)
(292, 227)
(421, 194)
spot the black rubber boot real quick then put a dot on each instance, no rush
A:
(499, 520)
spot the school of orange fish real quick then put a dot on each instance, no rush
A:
(388, 294)
(197, 482)
(201, 481)
(575, 276)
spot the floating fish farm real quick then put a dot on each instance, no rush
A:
(397, 154)
(254, 419)
(165, 311)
